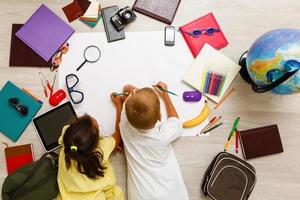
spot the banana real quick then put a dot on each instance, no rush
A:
(199, 119)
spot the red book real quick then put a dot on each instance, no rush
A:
(217, 40)
(18, 156)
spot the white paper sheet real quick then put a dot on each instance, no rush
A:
(142, 60)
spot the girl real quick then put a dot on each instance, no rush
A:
(85, 172)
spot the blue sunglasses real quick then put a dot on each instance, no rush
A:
(289, 66)
(198, 32)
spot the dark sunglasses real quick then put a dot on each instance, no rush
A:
(198, 32)
(75, 95)
(22, 109)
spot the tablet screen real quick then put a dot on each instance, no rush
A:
(49, 125)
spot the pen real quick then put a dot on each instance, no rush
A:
(212, 128)
(235, 124)
(162, 89)
(228, 144)
(237, 142)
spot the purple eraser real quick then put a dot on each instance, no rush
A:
(192, 96)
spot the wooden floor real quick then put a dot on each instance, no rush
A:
(242, 22)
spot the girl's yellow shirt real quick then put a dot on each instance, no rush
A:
(73, 185)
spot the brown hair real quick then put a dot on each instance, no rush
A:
(83, 133)
(143, 108)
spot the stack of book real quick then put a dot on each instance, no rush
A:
(87, 11)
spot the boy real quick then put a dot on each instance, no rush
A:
(153, 171)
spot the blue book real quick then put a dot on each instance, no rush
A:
(12, 123)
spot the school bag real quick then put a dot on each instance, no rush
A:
(33, 181)
(228, 178)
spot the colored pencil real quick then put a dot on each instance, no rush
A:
(162, 89)
(213, 127)
(121, 94)
(225, 97)
(30, 94)
(211, 124)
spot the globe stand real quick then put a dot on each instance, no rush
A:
(243, 71)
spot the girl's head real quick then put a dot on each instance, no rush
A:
(80, 142)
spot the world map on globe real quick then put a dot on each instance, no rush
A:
(271, 51)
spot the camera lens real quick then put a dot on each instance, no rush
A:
(127, 15)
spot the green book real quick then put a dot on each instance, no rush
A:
(12, 123)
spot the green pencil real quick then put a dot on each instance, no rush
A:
(162, 89)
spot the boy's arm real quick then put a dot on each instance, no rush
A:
(117, 100)
(171, 111)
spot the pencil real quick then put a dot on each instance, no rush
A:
(121, 94)
(30, 94)
(212, 128)
(225, 97)
(212, 123)
(162, 89)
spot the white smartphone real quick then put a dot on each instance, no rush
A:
(169, 35)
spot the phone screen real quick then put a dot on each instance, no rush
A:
(170, 34)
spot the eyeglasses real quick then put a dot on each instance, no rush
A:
(57, 58)
(198, 32)
(22, 109)
(76, 96)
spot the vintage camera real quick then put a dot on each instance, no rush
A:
(123, 17)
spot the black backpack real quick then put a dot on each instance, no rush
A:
(228, 178)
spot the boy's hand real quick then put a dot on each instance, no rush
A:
(129, 88)
(117, 100)
(162, 85)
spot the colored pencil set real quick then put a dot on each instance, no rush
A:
(213, 83)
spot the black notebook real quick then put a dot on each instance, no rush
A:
(111, 32)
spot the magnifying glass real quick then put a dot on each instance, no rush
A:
(91, 54)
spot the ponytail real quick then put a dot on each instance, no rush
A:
(81, 141)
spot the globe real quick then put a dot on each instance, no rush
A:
(268, 57)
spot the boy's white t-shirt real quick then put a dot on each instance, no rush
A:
(153, 172)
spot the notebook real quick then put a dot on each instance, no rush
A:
(84, 5)
(217, 40)
(45, 32)
(161, 10)
(18, 156)
(211, 59)
(92, 13)
(73, 11)
(12, 122)
(111, 33)
(260, 141)
(21, 55)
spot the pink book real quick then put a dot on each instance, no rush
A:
(217, 40)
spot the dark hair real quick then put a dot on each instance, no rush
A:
(83, 133)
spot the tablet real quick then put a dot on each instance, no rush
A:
(49, 125)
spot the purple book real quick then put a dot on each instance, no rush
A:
(45, 32)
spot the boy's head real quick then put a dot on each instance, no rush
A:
(143, 109)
